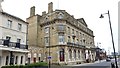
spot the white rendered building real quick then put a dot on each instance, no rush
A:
(13, 35)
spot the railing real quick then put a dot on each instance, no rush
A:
(74, 44)
(12, 44)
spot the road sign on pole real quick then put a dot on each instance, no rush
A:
(49, 57)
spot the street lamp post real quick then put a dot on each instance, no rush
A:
(49, 50)
(111, 36)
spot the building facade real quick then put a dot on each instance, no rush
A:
(13, 34)
(59, 37)
(100, 54)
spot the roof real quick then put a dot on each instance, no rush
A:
(9, 15)
(82, 21)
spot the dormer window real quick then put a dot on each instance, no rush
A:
(60, 16)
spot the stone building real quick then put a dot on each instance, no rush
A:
(13, 34)
(60, 37)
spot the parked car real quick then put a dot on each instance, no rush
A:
(108, 59)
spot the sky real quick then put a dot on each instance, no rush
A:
(90, 10)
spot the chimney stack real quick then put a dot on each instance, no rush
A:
(44, 13)
(32, 11)
(50, 7)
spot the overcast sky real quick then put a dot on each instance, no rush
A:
(90, 10)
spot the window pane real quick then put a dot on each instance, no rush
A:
(68, 30)
(74, 54)
(78, 54)
(61, 27)
(61, 39)
(7, 59)
(18, 40)
(72, 31)
(46, 40)
(9, 24)
(68, 39)
(16, 59)
(0, 60)
(21, 60)
(19, 26)
(47, 30)
(8, 38)
(61, 55)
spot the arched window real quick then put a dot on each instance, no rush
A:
(74, 54)
(78, 54)
(61, 54)
(70, 54)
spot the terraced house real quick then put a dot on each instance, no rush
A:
(60, 37)
(13, 34)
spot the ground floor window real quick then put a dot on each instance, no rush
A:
(16, 59)
(79, 54)
(74, 54)
(11, 58)
(61, 54)
(70, 54)
(28, 60)
(34, 60)
(7, 59)
(0, 60)
(21, 62)
(39, 59)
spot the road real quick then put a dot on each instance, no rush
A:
(98, 64)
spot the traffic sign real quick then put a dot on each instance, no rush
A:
(49, 57)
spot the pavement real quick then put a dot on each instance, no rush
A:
(84, 64)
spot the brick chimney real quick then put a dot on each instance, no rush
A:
(32, 11)
(50, 7)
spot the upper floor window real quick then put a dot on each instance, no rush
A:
(46, 41)
(77, 34)
(61, 39)
(68, 30)
(73, 40)
(18, 40)
(47, 30)
(68, 39)
(72, 31)
(77, 41)
(9, 24)
(8, 38)
(74, 54)
(60, 27)
(84, 41)
(19, 26)
(61, 54)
